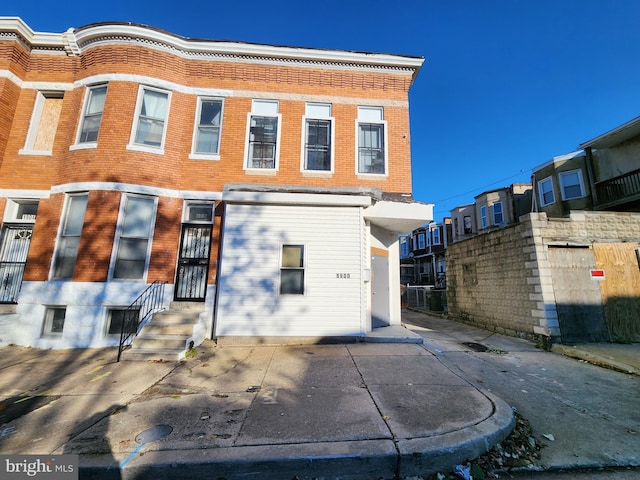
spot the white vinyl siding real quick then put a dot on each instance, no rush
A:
(249, 302)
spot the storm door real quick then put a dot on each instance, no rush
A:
(193, 263)
(14, 247)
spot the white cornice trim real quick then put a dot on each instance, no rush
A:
(132, 188)
(76, 41)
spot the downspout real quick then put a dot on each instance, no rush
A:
(591, 176)
(223, 214)
(534, 197)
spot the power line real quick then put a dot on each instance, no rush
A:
(480, 188)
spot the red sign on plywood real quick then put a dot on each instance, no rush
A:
(597, 274)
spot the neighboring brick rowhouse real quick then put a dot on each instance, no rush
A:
(502, 280)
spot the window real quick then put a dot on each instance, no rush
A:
(262, 144)
(44, 123)
(414, 242)
(198, 212)
(54, 321)
(498, 217)
(436, 236)
(545, 190)
(404, 247)
(371, 141)
(22, 211)
(483, 216)
(292, 270)
(571, 185)
(207, 133)
(67, 248)
(92, 115)
(318, 137)
(152, 110)
(134, 237)
(421, 244)
(468, 226)
(116, 317)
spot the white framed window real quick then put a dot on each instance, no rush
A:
(571, 185)
(498, 216)
(483, 216)
(206, 138)
(69, 238)
(436, 235)
(133, 237)
(197, 212)
(43, 124)
(21, 211)
(117, 317)
(263, 135)
(317, 149)
(545, 191)
(421, 243)
(292, 270)
(92, 115)
(404, 246)
(149, 126)
(414, 242)
(371, 150)
(53, 325)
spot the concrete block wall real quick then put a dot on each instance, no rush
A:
(501, 280)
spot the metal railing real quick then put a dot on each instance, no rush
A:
(618, 188)
(426, 298)
(147, 303)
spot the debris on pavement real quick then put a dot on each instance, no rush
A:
(520, 450)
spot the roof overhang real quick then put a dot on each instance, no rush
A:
(399, 217)
(616, 136)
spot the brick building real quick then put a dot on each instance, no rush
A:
(264, 186)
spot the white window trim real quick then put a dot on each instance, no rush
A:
(77, 145)
(63, 219)
(304, 138)
(493, 213)
(386, 149)
(11, 210)
(303, 268)
(541, 193)
(47, 322)
(185, 211)
(436, 236)
(276, 163)
(116, 240)
(484, 221)
(136, 120)
(34, 124)
(422, 244)
(561, 175)
(206, 156)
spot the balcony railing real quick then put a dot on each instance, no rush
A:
(618, 190)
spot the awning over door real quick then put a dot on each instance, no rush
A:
(399, 217)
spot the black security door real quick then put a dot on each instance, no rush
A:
(14, 247)
(193, 264)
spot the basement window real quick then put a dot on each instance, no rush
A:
(54, 321)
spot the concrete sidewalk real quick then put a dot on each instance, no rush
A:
(353, 411)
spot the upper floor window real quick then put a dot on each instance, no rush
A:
(263, 135)
(69, 241)
(371, 151)
(545, 190)
(44, 123)
(436, 235)
(571, 185)
(498, 217)
(404, 246)
(151, 117)
(318, 135)
(483, 216)
(133, 238)
(421, 243)
(206, 141)
(92, 114)
(468, 225)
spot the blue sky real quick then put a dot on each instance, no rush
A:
(506, 84)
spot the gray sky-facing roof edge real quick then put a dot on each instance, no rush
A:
(615, 136)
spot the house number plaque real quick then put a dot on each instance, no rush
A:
(343, 275)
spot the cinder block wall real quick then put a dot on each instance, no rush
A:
(502, 281)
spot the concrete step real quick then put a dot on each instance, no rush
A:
(175, 317)
(7, 308)
(160, 342)
(168, 354)
(187, 306)
(182, 329)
